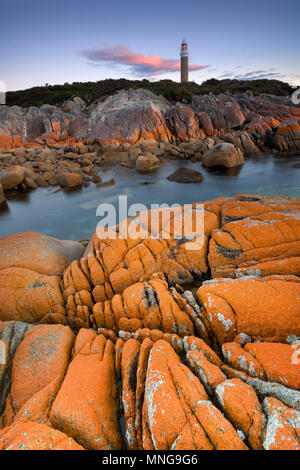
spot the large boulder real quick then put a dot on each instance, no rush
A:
(147, 163)
(265, 309)
(223, 155)
(38, 252)
(41, 358)
(12, 177)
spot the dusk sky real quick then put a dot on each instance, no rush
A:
(66, 41)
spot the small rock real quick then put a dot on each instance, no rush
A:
(96, 179)
(186, 175)
(69, 180)
(145, 163)
(106, 183)
(30, 183)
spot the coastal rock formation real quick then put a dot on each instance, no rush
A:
(143, 305)
(129, 116)
(113, 263)
(64, 395)
(252, 124)
(218, 370)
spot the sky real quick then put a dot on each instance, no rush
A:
(75, 41)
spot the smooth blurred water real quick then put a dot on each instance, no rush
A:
(72, 214)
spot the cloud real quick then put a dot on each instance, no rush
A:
(145, 65)
(254, 75)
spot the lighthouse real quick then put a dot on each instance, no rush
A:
(184, 56)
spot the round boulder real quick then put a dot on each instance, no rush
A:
(186, 175)
(12, 177)
(223, 155)
(38, 252)
(69, 180)
(145, 163)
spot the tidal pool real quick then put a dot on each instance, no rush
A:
(72, 214)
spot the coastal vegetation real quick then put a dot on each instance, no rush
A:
(172, 91)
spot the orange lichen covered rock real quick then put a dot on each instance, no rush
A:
(86, 407)
(279, 361)
(129, 366)
(154, 335)
(209, 374)
(177, 414)
(283, 427)
(265, 309)
(31, 297)
(242, 360)
(251, 206)
(37, 252)
(11, 335)
(35, 436)
(134, 368)
(138, 249)
(270, 244)
(41, 358)
(242, 407)
(192, 343)
(143, 305)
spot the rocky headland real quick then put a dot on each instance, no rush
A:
(68, 145)
(193, 349)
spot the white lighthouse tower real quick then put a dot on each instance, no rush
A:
(184, 57)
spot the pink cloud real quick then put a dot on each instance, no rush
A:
(141, 64)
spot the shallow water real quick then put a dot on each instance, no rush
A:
(72, 214)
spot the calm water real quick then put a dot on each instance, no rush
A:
(72, 215)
